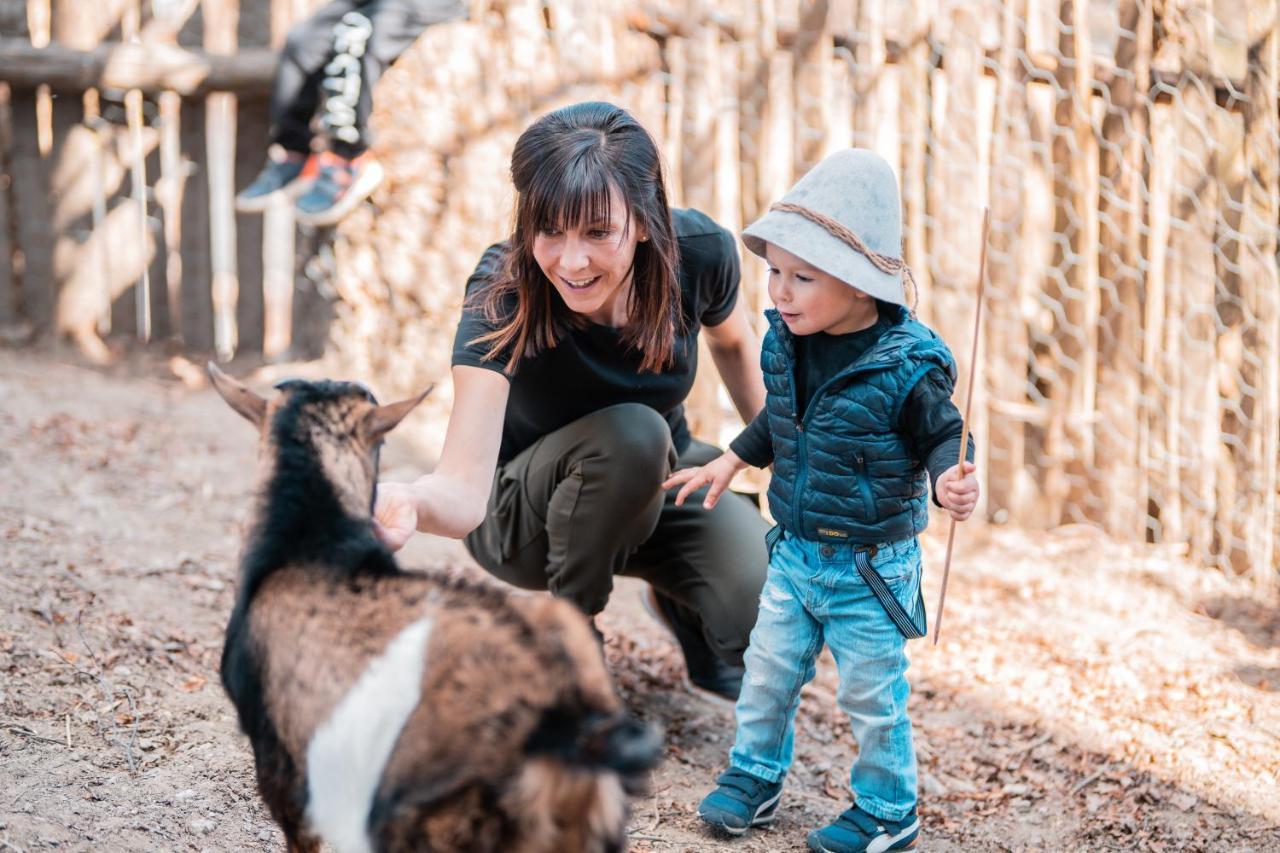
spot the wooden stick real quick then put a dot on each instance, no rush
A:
(968, 402)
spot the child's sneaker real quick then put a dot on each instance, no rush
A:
(855, 831)
(286, 173)
(340, 185)
(740, 801)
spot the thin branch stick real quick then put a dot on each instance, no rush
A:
(968, 403)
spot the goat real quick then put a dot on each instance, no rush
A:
(401, 711)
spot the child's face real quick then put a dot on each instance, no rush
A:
(811, 301)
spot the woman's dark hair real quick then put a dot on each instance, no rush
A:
(564, 167)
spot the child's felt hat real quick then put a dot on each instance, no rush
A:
(844, 218)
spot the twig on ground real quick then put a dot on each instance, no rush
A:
(657, 817)
(1026, 751)
(644, 837)
(19, 728)
(4, 842)
(109, 691)
(1087, 781)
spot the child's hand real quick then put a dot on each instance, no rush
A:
(718, 472)
(958, 491)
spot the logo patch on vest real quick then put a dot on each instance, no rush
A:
(832, 533)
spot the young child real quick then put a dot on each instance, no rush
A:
(858, 416)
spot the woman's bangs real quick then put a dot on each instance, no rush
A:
(571, 197)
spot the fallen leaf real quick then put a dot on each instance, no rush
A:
(192, 684)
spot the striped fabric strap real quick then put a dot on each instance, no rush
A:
(913, 626)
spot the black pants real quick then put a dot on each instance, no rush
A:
(332, 60)
(583, 504)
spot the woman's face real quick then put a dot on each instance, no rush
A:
(590, 264)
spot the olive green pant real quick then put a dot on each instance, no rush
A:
(584, 504)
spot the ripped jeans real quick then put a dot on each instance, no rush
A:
(814, 594)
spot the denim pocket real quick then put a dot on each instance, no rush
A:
(898, 561)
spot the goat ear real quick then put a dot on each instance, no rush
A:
(252, 407)
(380, 420)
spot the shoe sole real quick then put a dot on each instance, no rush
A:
(289, 192)
(756, 821)
(650, 605)
(364, 185)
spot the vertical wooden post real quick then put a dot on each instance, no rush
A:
(1008, 479)
(130, 23)
(220, 21)
(697, 149)
(811, 85)
(1192, 283)
(278, 237)
(97, 168)
(1259, 523)
(728, 202)
(673, 153)
(138, 172)
(1121, 480)
(914, 80)
(11, 310)
(169, 191)
(1160, 342)
(1069, 440)
(38, 25)
(757, 44)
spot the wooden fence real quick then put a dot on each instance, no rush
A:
(125, 129)
(1127, 150)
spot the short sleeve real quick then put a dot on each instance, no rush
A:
(474, 323)
(719, 279)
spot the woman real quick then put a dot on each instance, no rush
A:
(582, 328)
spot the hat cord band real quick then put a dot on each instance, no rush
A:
(884, 263)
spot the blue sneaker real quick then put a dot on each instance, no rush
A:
(285, 174)
(740, 801)
(855, 831)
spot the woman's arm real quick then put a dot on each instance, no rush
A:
(451, 500)
(736, 351)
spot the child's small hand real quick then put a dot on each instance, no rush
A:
(958, 491)
(718, 472)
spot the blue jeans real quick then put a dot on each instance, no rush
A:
(814, 594)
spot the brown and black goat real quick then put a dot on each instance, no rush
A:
(402, 711)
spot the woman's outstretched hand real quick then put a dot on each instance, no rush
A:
(718, 473)
(395, 514)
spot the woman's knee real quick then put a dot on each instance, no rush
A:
(637, 433)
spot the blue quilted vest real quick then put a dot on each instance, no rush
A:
(841, 470)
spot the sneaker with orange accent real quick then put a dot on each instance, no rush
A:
(286, 174)
(340, 185)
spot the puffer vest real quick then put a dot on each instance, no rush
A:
(841, 470)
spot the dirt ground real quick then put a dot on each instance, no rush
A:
(1086, 695)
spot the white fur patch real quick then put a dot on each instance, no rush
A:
(346, 757)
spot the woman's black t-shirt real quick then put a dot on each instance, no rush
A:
(592, 368)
